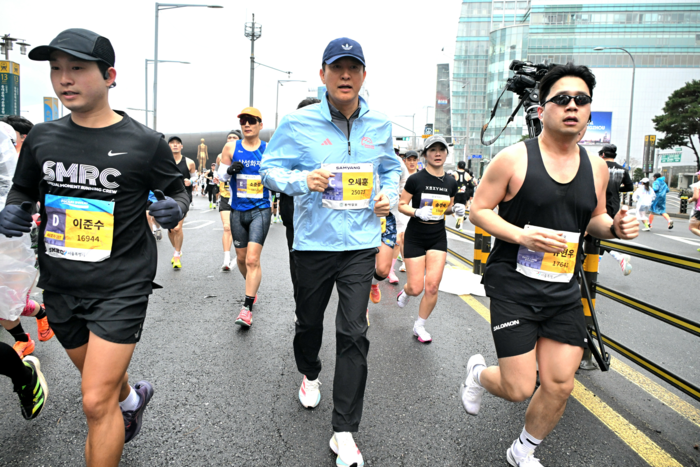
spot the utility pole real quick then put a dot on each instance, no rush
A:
(253, 32)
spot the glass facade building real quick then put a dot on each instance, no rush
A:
(663, 37)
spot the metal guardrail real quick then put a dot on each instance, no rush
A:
(680, 261)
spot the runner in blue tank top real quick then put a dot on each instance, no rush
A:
(549, 192)
(250, 204)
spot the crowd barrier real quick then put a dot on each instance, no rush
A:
(591, 288)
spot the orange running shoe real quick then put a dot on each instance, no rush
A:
(375, 294)
(24, 348)
(43, 329)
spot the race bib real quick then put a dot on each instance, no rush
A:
(350, 188)
(79, 229)
(249, 186)
(549, 267)
(439, 203)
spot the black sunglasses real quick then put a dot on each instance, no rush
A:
(563, 99)
(248, 120)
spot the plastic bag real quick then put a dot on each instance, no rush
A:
(17, 275)
(8, 162)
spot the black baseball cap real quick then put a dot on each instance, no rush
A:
(343, 47)
(174, 137)
(80, 43)
(609, 150)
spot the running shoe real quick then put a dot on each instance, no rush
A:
(33, 396)
(392, 277)
(399, 258)
(625, 265)
(646, 227)
(670, 225)
(367, 317)
(158, 233)
(211, 206)
(176, 262)
(24, 348)
(133, 418)
(226, 267)
(403, 267)
(309, 393)
(43, 329)
(422, 335)
(375, 294)
(402, 298)
(471, 390)
(348, 453)
(245, 318)
(528, 461)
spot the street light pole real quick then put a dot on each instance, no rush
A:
(165, 6)
(146, 81)
(253, 32)
(629, 125)
(413, 125)
(277, 100)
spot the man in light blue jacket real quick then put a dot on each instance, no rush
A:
(337, 159)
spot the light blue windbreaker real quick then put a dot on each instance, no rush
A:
(307, 138)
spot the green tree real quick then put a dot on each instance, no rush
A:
(638, 174)
(681, 119)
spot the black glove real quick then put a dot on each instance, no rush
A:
(16, 220)
(166, 211)
(234, 168)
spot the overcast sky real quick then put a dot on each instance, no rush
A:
(402, 44)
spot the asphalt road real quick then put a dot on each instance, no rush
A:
(224, 396)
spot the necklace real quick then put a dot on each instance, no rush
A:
(442, 179)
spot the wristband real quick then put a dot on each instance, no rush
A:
(612, 230)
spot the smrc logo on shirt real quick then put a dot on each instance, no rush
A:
(367, 143)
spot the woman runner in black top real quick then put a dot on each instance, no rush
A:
(427, 197)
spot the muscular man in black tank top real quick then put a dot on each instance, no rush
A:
(549, 192)
(186, 167)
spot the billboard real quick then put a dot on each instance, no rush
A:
(599, 129)
(50, 109)
(9, 88)
(649, 153)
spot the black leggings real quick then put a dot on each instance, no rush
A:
(210, 192)
(13, 367)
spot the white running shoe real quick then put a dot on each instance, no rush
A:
(403, 267)
(402, 299)
(226, 267)
(625, 265)
(471, 390)
(309, 393)
(422, 334)
(348, 453)
(399, 258)
(528, 461)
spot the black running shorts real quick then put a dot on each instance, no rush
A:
(696, 216)
(461, 198)
(118, 320)
(516, 327)
(420, 237)
(224, 204)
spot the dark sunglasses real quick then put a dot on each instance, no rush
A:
(563, 99)
(248, 120)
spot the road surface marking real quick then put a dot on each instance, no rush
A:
(203, 224)
(674, 402)
(640, 443)
(689, 241)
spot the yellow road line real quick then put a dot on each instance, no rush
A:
(635, 439)
(674, 402)
(640, 443)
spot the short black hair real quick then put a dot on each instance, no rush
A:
(103, 69)
(561, 71)
(308, 101)
(461, 165)
(20, 124)
(657, 175)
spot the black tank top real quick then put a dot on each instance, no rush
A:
(541, 202)
(185, 171)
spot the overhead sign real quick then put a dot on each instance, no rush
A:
(599, 129)
(477, 156)
(428, 131)
(675, 157)
(9, 88)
